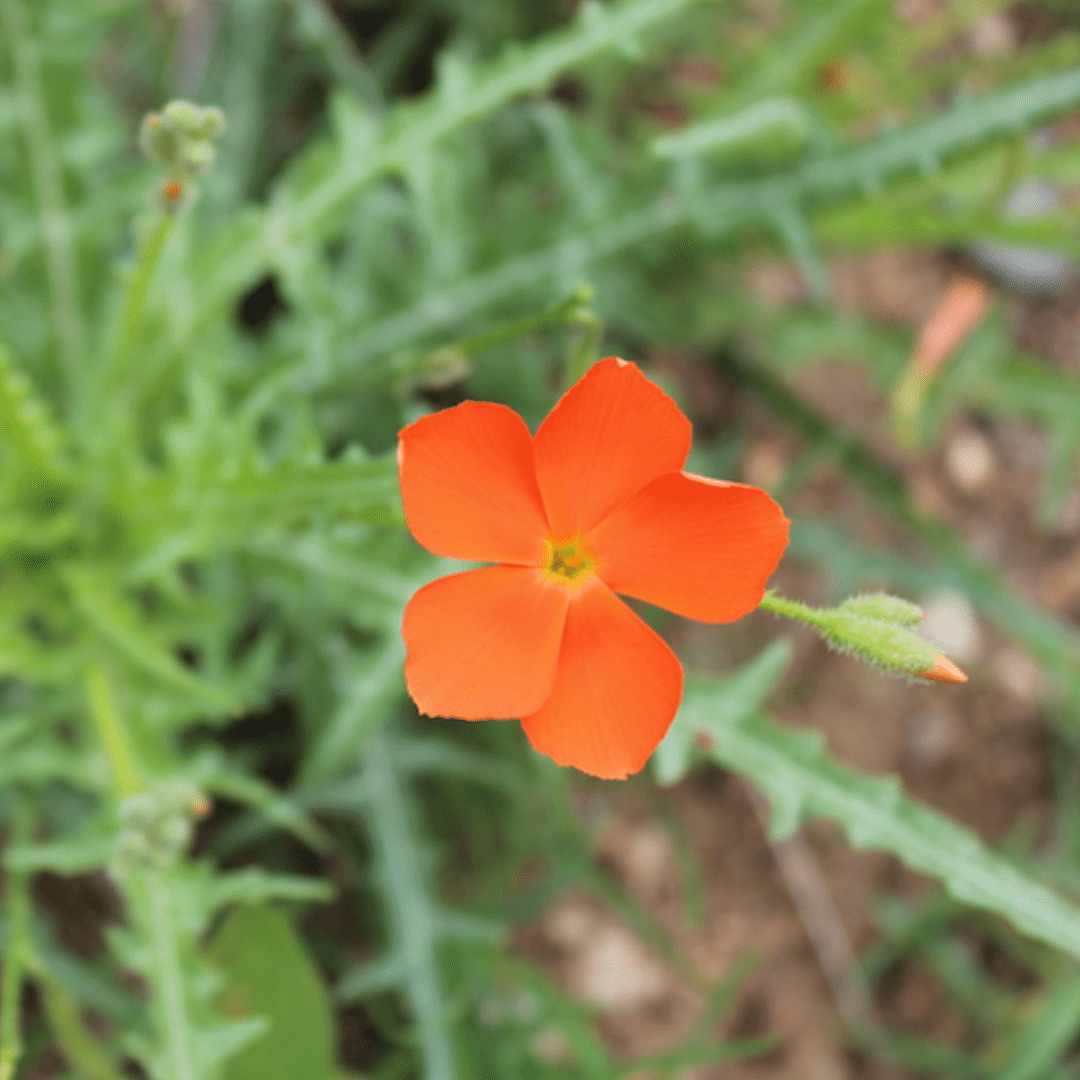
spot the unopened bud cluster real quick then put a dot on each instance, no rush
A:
(180, 138)
(156, 827)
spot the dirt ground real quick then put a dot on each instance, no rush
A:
(978, 752)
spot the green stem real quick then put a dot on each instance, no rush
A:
(138, 285)
(55, 226)
(149, 886)
(590, 329)
(170, 977)
(525, 71)
(84, 1053)
(412, 916)
(114, 734)
(565, 311)
(790, 609)
(18, 941)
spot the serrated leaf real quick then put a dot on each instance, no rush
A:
(29, 434)
(802, 781)
(118, 623)
(732, 700)
(222, 512)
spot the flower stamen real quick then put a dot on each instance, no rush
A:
(567, 561)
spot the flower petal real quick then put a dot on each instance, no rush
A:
(468, 484)
(616, 692)
(483, 645)
(701, 548)
(610, 434)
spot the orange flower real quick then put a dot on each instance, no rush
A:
(596, 504)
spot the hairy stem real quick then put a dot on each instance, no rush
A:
(413, 924)
(170, 981)
(138, 285)
(114, 735)
(84, 1053)
(147, 889)
(18, 941)
(55, 226)
(789, 609)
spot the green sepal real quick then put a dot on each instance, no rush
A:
(891, 647)
(881, 607)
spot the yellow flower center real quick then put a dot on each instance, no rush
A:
(568, 562)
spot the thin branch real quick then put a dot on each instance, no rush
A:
(832, 947)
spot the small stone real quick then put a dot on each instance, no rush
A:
(616, 971)
(914, 12)
(763, 464)
(929, 497)
(993, 35)
(970, 461)
(550, 1045)
(648, 858)
(1018, 674)
(569, 923)
(1069, 522)
(952, 626)
(932, 737)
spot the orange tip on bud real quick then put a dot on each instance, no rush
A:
(944, 670)
(173, 191)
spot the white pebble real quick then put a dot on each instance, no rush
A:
(970, 461)
(1019, 674)
(952, 626)
(616, 971)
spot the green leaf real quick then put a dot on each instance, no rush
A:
(271, 975)
(802, 781)
(723, 208)
(196, 517)
(415, 127)
(29, 434)
(1045, 1036)
(118, 623)
(733, 699)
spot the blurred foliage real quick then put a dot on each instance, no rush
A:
(202, 554)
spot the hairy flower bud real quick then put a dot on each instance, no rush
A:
(156, 826)
(877, 628)
(884, 608)
(944, 670)
(180, 138)
(887, 645)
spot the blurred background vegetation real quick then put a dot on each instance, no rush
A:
(232, 849)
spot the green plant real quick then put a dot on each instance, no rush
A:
(203, 366)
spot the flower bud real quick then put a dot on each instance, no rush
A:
(182, 115)
(444, 368)
(893, 648)
(944, 670)
(180, 137)
(875, 627)
(884, 608)
(156, 827)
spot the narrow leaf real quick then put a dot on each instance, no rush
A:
(802, 781)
